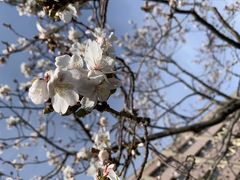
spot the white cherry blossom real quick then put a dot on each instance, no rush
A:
(52, 158)
(68, 173)
(17, 165)
(26, 70)
(73, 35)
(28, 8)
(102, 139)
(5, 92)
(42, 64)
(100, 92)
(62, 91)
(92, 170)
(81, 75)
(67, 62)
(78, 49)
(103, 40)
(68, 13)
(62, 62)
(44, 32)
(12, 121)
(82, 154)
(97, 63)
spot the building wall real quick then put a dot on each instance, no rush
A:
(203, 148)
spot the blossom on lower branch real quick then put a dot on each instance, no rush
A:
(101, 166)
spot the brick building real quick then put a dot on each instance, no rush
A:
(204, 149)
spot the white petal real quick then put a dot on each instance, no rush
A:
(93, 55)
(62, 61)
(59, 104)
(76, 62)
(112, 175)
(38, 92)
(111, 166)
(88, 103)
(70, 96)
(40, 28)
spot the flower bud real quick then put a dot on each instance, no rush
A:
(103, 122)
(133, 152)
(82, 154)
(103, 155)
(141, 145)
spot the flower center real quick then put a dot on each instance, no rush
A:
(61, 88)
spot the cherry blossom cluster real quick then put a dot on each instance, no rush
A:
(5, 92)
(101, 166)
(176, 3)
(84, 78)
(32, 7)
